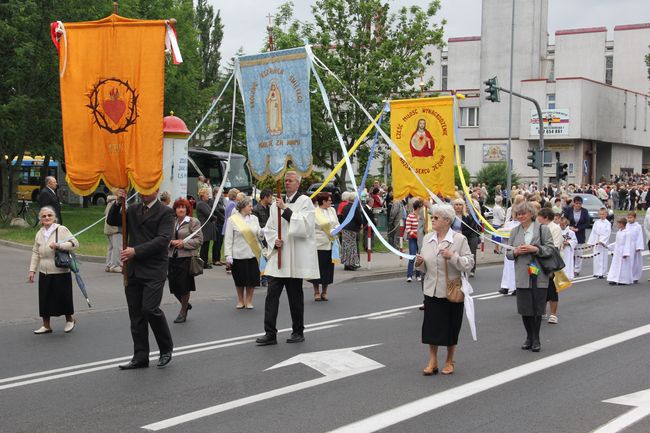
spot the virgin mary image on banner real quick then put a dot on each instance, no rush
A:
(274, 109)
(422, 143)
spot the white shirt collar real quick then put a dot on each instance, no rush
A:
(449, 237)
(290, 197)
(153, 202)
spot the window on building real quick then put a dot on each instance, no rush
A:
(609, 69)
(462, 154)
(551, 71)
(469, 116)
(443, 77)
(550, 101)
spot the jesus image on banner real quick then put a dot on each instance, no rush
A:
(274, 110)
(422, 142)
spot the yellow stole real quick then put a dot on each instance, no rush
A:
(324, 223)
(247, 233)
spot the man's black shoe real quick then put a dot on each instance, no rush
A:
(503, 291)
(266, 340)
(164, 359)
(132, 365)
(207, 266)
(296, 338)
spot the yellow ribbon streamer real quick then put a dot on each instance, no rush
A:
(342, 162)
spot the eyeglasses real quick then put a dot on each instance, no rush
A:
(49, 215)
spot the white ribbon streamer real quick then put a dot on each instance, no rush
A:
(171, 43)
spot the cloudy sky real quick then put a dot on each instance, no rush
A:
(245, 20)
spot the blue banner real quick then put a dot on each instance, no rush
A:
(275, 90)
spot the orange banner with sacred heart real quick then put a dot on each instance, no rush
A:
(423, 130)
(112, 95)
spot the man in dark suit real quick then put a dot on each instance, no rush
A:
(48, 197)
(578, 221)
(150, 225)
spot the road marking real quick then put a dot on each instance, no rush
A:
(482, 295)
(641, 402)
(407, 411)
(106, 364)
(389, 316)
(333, 364)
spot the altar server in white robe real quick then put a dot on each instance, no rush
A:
(508, 284)
(636, 241)
(569, 244)
(599, 239)
(297, 247)
(620, 272)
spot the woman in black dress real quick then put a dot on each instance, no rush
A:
(54, 284)
(181, 250)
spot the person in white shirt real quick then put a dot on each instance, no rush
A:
(242, 249)
(646, 227)
(546, 217)
(598, 239)
(636, 245)
(299, 259)
(620, 272)
(498, 219)
(568, 247)
(325, 221)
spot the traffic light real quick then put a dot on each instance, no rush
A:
(534, 159)
(561, 172)
(492, 89)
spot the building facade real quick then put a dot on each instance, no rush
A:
(594, 93)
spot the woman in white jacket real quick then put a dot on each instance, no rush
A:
(325, 221)
(242, 250)
(54, 284)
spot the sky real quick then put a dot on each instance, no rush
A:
(246, 20)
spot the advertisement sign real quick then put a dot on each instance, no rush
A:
(556, 122)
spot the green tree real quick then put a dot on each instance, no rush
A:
(495, 174)
(377, 53)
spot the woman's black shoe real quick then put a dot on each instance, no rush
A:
(536, 346)
(180, 319)
(527, 345)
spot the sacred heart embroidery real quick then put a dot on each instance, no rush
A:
(117, 113)
(114, 107)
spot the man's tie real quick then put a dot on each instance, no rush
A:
(145, 209)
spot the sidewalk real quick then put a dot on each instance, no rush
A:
(20, 299)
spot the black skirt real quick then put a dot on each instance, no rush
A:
(55, 294)
(180, 280)
(531, 302)
(326, 268)
(442, 321)
(246, 272)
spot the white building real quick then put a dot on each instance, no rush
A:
(594, 89)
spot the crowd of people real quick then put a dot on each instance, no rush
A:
(279, 242)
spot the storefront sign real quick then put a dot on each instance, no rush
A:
(556, 122)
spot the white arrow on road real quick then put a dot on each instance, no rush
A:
(333, 364)
(641, 402)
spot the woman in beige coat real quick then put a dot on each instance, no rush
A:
(444, 255)
(54, 284)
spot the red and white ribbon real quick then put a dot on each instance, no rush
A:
(57, 30)
(171, 44)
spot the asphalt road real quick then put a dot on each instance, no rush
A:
(599, 351)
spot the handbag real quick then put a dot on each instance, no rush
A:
(552, 262)
(62, 258)
(196, 266)
(562, 282)
(454, 288)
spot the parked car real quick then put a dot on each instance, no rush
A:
(330, 187)
(593, 204)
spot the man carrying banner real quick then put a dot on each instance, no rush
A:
(150, 225)
(297, 250)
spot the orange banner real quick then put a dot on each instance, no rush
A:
(112, 95)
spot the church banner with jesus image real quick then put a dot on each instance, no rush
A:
(275, 90)
(423, 129)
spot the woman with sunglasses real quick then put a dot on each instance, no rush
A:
(54, 284)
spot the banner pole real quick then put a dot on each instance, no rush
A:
(124, 242)
(279, 193)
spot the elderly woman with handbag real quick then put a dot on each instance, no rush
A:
(444, 256)
(530, 241)
(242, 249)
(181, 253)
(50, 253)
(326, 245)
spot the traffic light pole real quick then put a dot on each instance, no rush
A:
(540, 179)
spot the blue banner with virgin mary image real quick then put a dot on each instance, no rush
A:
(275, 90)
